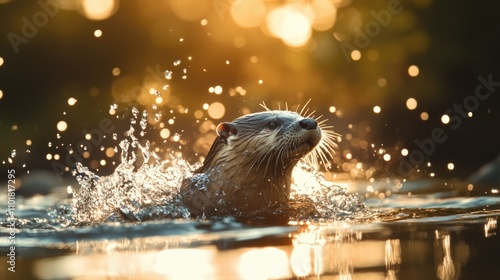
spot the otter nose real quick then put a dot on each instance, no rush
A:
(308, 124)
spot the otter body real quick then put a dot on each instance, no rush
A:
(249, 166)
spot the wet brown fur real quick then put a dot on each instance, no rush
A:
(249, 166)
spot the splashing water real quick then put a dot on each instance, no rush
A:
(149, 191)
(331, 202)
(145, 187)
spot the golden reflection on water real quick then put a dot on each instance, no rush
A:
(392, 257)
(264, 263)
(323, 251)
(451, 257)
(490, 227)
(446, 270)
(333, 251)
(178, 263)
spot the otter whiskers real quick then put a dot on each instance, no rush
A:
(249, 166)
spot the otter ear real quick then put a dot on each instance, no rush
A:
(225, 130)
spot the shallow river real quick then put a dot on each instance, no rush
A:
(429, 236)
(131, 225)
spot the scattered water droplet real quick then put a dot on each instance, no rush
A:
(157, 116)
(144, 123)
(177, 62)
(168, 74)
(165, 87)
(13, 153)
(135, 112)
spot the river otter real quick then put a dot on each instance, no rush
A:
(249, 166)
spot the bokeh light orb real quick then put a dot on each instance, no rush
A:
(216, 110)
(98, 9)
(411, 103)
(290, 24)
(248, 13)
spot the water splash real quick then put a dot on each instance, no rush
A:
(143, 187)
(330, 202)
(131, 192)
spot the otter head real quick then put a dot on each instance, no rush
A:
(269, 143)
(249, 166)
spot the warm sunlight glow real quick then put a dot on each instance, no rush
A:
(98, 9)
(248, 13)
(290, 24)
(265, 263)
(183, 260)
(325, 14)
(300, 260)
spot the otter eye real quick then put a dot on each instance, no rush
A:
(272, 125)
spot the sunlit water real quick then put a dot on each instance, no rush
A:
(131, 224)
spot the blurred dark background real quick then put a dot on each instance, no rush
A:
(346, 57)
